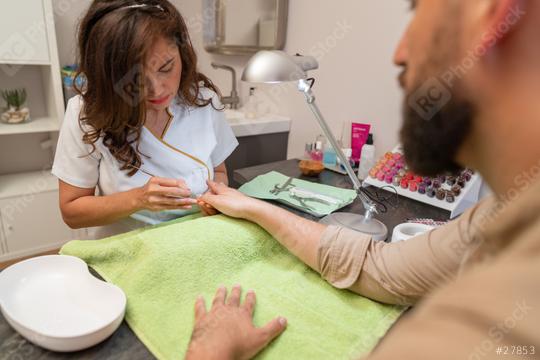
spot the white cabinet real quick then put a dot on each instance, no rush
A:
(33, 223)
(23, 33)
(2, 240)
(30, 215)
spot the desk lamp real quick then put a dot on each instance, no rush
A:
(275, 67)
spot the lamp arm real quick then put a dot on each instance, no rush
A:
(370, 207)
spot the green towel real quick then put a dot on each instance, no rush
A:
(163, 268)
(262, 185)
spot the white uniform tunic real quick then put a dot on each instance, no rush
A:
(195, 141)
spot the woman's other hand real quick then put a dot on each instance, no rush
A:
(164, 194)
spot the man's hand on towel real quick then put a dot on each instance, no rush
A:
(227, 330)
(227, 200)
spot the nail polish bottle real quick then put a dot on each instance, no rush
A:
(456, 190)
(404, 183)
(441, 194)
(317, 154)
(308, 150)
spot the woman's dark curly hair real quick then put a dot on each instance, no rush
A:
(114, 39)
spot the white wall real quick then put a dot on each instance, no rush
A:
(356, 80)
(354, 41)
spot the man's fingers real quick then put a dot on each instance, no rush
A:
(272, 330)
(208, 212)
(207, 198)
(215, 187)
(204, 212)
(206, 205)
(249, 302)
(221, 294)
(206, 209)
(234, 297)
(203, 208)
(200, 308)
(210, 209)
(211, 186)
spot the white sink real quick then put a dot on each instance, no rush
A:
(266, 124)
(234, 115)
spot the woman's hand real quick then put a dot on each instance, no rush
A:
(229, 201)
(164, 194)
(227, 330)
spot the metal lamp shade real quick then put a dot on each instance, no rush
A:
(276, 66)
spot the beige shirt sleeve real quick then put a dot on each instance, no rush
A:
(492, 309)
(490, 312)
(395, 273)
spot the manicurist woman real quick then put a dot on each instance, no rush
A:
(146, 132)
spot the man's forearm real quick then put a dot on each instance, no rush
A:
(300, 236)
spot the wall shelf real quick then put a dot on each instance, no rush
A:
(29, 59)
(8, 62)
(43, 124)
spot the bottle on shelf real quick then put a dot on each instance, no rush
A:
(367, 158)
(320, 146)
(250, 109)
(330, 156)
(348, 154)
(308, 151)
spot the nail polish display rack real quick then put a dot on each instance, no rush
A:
(391, 164)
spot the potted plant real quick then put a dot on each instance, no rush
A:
(15, 113)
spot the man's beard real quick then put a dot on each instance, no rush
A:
(431, 146)
(432, 139)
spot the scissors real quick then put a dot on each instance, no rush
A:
(287, 186)
(279, 189)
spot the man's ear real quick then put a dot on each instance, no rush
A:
(501, 19)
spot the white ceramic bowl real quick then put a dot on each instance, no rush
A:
(54, 302)
(409, 230)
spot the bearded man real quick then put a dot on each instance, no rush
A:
(471, 80)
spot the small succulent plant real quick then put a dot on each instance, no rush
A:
(14, 98)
